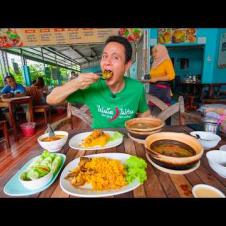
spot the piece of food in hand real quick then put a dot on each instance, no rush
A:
(107, 74)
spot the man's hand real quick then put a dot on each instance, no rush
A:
(83, 81)
(7, 95)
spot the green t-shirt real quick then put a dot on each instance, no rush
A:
(112, 110)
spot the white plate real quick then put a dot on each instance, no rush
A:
(76, 141)
(86, 191)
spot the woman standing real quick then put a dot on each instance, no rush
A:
(161, 73)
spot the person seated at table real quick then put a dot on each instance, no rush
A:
(73, 75)
(40, 84)
(112, 101)
(14, 89)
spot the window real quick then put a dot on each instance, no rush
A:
(15, 67)
(36, 69)
(64, 74)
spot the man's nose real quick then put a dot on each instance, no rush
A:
(107, 61)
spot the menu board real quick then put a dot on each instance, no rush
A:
(177, 35)
(20, 37)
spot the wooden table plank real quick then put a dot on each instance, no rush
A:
(182, 185)
(152, 186)
(208, 178)
(209, 169)
(140, 152)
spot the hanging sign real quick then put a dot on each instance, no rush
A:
(176, 35)
(132, 34)
(20, 37)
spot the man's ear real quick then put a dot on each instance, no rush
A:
(128, 65)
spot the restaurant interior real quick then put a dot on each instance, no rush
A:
(198, 57)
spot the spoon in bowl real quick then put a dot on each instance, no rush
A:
(197, 136)
(51, 131)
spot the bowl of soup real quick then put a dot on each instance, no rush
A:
(206, 191)
(144, 124)
(142, 127)
(53, 143)
(173, 150)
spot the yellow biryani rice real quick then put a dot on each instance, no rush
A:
(96, 138)
(109, 174)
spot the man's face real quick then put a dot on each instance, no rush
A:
(11, 82)
(114, 59)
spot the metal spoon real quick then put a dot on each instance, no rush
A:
(101, 76)
(197, 136)
(51, 131)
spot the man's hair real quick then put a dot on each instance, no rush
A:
(9, 76)
(123, 41)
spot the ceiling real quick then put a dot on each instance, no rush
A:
(84, 55)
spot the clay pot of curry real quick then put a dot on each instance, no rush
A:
(173, 150)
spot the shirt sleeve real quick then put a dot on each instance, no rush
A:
(142, 107)
(5, 90)
(170, 70)
(21, 89)
(76, 97)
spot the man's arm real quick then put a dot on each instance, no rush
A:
(19, 94)
(144, 114)
(59, 94)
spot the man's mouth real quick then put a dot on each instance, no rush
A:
(107, 74)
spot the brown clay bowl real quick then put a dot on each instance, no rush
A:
(147, 124)
(172, 162)
(142, 135)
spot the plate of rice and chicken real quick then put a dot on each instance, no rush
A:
(102, 175)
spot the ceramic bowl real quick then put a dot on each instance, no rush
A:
(178, 163)
(217, 161)
(207, 139)
(56, 145)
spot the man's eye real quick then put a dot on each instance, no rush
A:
(115, 58)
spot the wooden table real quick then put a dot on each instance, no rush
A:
(158, 184)
(191, 88)
(10, 104)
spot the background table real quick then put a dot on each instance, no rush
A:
(10, 104)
